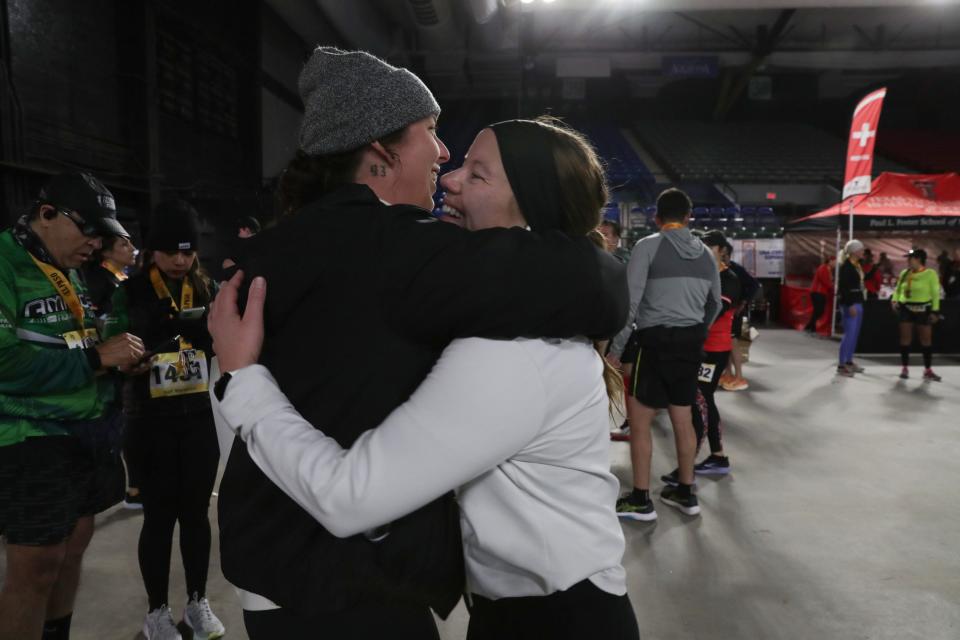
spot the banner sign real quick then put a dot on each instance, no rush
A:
(762, 258)
(691, 66)
(891, 223)
(863, 138)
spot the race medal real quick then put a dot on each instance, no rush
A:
(81, 339)
(706, 372)
(178, 373)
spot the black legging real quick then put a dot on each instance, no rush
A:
(819, 306)
(582, 611)
(177, 458)
(706, 416)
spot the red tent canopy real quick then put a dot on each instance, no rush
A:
(897, 201)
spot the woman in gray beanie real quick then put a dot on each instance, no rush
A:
(519, 428)
(350, 335)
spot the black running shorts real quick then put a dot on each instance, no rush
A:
(47, 483)
(668, 366)
(915, 313)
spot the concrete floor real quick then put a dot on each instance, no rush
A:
(841, 519)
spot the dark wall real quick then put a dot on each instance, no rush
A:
(156, 98)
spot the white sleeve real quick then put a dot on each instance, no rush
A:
(483, 401)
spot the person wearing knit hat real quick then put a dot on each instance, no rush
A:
(369, 154)
(171, 438)
(483, 420)
(371, 119)
(851, 292)
(174, 227)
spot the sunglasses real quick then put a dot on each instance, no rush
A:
(86, 228)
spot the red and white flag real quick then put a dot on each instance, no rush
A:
(863, 138)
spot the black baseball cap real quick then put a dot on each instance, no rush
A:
(919, 254)
(88, 197)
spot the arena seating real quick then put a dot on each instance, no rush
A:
(746, 153)
(624, 167)
(928, 151)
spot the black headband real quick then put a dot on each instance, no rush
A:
(527, 155)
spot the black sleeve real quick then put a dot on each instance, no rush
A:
(848, 282)
(446, 282)
(731, 290)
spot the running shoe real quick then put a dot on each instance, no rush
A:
(622, 434)
(735, 384)
(159, 625)
(928, 374)
(713, 466)
(672, 478)
(904, 373)
(856, 368)
(845, 371)
(682, 501)
(630, 509)
(133, 501)
(726, 379)
(200, 618)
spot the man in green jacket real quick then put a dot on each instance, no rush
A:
(57, 425)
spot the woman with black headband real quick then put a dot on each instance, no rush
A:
(518, 427)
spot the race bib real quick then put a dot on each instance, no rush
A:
(81, 339)
(706, 372)
(917, 308)
(178, 374)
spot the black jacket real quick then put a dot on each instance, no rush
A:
(101, 285)
(349, 336)
(849, 284)
(153, 320)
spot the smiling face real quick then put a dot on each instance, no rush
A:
(175, 264)
(418, 157)
(478, 194)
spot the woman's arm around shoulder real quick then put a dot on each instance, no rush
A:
(483, 401)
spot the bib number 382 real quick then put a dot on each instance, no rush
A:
(178, 374)
(706, 372)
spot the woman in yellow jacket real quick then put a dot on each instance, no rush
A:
(917, 300)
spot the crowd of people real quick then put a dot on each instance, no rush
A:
(915, 295)
(458, 449)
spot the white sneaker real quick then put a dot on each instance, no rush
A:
(159, 625)
(199, 617)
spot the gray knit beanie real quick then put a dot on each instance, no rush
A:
(352, 98)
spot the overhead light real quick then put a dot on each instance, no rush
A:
(549, 1)
(527, 1)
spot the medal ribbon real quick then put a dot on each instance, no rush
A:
(117, 273)
(186, 300)
(64, 289)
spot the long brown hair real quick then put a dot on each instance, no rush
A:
(584, 192)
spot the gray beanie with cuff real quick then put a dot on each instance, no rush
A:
(352, 98)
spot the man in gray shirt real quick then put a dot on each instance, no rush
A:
(674, 297)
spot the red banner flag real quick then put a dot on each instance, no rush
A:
(863, 138)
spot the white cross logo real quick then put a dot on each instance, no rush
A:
(864, 134)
